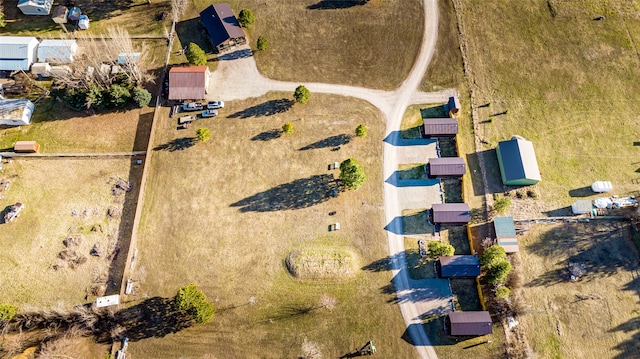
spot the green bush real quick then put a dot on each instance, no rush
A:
(503, 292)
(119, 96)
(194, 301)
(301, 94)
(3, 22)
(203, 134)
(361, 130)
(141, 96)
(352, 174)
(502, 205)
(195, 55)
(498, 272)
(246, 18)
(263, 43)
(8, 311)
(287, 128)
(437, 249)
(492, 255)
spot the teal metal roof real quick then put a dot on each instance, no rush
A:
(504, 227)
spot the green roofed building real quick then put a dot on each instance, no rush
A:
(518, 164)
(506, 233)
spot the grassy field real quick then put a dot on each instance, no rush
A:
(361, 45)
(226, 213)
(63, 198)
(594, 317)
(567, 89)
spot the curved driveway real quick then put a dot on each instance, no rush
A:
(237, 77)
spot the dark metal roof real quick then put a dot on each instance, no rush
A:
(518, 159)
(440, 126)
(221, 23)
(447, 166)
(451, 213)
(188, 83)
(459, 266)
(470, 323)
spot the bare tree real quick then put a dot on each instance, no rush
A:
(328, 302)
(310, 350)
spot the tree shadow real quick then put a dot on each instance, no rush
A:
(269, 108)
(192, 31)
(293, 311)
(489, 160)
(268, 135)
(333, 141)
(398, 138)
(336, 4)
(630, 347)
(177, 144)
(581, 192)
(559, 212)
(301, 193)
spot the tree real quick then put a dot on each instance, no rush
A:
(194, 301)
(246, 18)
(141, 96)
(195, 55)
(498, 272)
(203, 134)
(3, 22)
(437, 249)
(263, 44)
(352, 174)
(287, 128)
(492, 255)
(8, 311)
(502, 205)
(301, 94)
(361, 130)
(119, 96)
(503, 292)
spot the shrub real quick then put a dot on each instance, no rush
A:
(437, 249)
(141, 96)
(352, 174)
(3, 22)
(203, 134)
(287, 128)
(498, 272)
(96, 97)
(502, 205)
(263, 43)
(361, 130)
(492, 255)
(246, 18)
(503, 292)
(532, 193)
(195, 55)
(301, 94)
(193, 301)
(119, 96)
(8, 311)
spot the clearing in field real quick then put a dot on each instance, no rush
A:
(227, 213)
(594, 316)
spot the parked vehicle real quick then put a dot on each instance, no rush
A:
(209, 113)
(214, 105)
(186, 119)
(192, 106)
(14, 211)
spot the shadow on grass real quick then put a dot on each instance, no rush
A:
(237, 54)
(601, 252)
(581, 192)
(396, 138)
(412, 177)
(434, 112)
(292, 311)
(301, 193)
(333, 141)
(177, 144)
(267, 135)
(417, 223)
(269, 108)
(489, 159)
(191, 31)
(559, 212)
(630, 347)
(336, 4)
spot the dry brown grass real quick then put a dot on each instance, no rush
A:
(51, 189)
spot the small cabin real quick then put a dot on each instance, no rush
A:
(459, 266)
(446, 167)
(60, 14)
(26, 147)
(469, 323)
(506, 234)
(451, 213)
(440, 127)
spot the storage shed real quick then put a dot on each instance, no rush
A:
(83, 22)
(57, 51)
(15, 112)
(447, 167)
(601, 186)
(41, 68)
(188, 83)
(518, 163)
(74, 14)
(35, 7)
(223, 27)
(17, 52)
(469, 323)
(451, 213)
(440, 127)
(60, 13)
(506, 234)
(26, 146)
(461, 266)
(454, 105)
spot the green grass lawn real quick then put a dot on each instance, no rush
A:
(225, 214)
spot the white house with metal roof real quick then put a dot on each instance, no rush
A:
(57, 51)
(17, 52)
(35, 7)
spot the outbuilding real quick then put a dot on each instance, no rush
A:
(451, 213)
(59, 15)
(440, 127)
(469, 323)
(460, 266)
(518, 163)
(506, 234)
(454, 105)
(17, 52)
(188, 83)
(446, 167)
(223, 27)
(35, 7)
(129, 58)
(582, 206)
(601, 186)
(15, 112)
(26, 147)
(57, 51)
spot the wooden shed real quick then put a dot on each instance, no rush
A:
(440, 127)
(469, 323)
(26, 147)
(446, 167)
(460, 266)
(451, 213)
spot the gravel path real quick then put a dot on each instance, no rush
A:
(237, 77)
